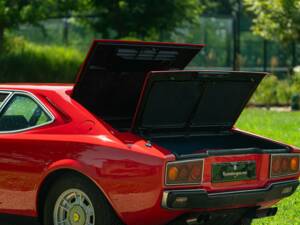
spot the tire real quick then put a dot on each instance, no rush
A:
(245, 221)
(80, 201)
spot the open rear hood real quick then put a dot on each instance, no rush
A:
(135, 56)
(193, 100)
(110, 81)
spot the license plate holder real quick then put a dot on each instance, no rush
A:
(233, 171)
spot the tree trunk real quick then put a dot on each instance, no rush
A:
(1, 39)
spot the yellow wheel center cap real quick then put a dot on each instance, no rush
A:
(76, 217)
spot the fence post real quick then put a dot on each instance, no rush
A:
(294, 54)
(65, 31)
(236, 35)
(265, 54)
(1, 39)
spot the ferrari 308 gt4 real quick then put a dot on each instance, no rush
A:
(138, 140)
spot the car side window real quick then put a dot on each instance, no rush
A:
(22, 112)
(3, 96)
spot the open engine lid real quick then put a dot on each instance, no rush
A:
(133, 56)
(193, 100)
(110, 81)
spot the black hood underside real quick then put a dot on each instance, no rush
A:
(110, 81)
(193, 100)
(117, 85)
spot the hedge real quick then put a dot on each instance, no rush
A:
(22, 61)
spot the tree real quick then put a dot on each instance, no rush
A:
(143, 18)
(217, 7)
(276, 19)
(67, 8)
(15, 12)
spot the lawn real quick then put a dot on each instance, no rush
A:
(281, 126)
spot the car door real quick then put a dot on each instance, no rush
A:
(20, 164)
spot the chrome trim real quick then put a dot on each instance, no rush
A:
(166, 193)
(36, 100)
(283, 154)
(183, 161)
(165, 199)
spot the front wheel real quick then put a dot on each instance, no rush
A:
(76, 201)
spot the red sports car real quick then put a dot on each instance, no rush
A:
(137, 140)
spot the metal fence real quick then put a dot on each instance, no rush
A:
(225, 48)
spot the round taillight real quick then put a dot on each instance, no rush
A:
(276, 165)
(173, 173)
(196, 172)
(184, 173)
(285, 164)
(294, 164)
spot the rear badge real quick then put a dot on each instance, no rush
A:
(233, 171)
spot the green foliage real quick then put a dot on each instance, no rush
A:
(217, 7)
(283, 92)
(144, 19)
(295, 89)
(28, 62)
(295, 102)
(68, 7)
(276, 19)
(295, 83)
(273, 91)
(15, 12)
(80, 36)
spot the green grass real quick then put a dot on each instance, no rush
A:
(281, 126)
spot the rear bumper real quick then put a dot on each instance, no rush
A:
(200, 199)
(224, 217)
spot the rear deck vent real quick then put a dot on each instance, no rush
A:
(147, 54)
